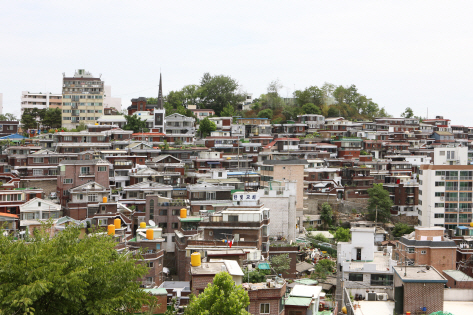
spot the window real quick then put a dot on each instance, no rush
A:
(163, 225)
(232, 218)
(163, 212)
(175, 225)
(53, 160)
(102, 168)
(264, 308)
(103, 222)
(423, 252)
(382, 280)
(132, 194)
(438, 184)
(355, 277)
(176, 212)
(93, 198)
(67, 181)
(151, 209)
(150, 264)
(85, 170)
(437, 194)
(439, 205)
(38, 160)
(411, 250)
(37, 172)
(439, 215)
(442, 153)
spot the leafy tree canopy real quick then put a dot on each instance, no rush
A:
(135, 123)
(62, 275)
(217, 91)
(206, 126)
(326, 214)
(323, 268)
(408, 113)
(280, 263)
(310, 108)
(401, 229)
(220, 297)
(256, 275)
(266, 113)
(342, 235)
(379, 199)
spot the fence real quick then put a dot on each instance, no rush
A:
(347, 302)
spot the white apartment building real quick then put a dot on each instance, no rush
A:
(446, 189)
(363, 267)
(82, 97)
(109, 101)
(40, 100)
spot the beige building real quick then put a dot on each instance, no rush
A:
(290, 170)
(82, 99)
(40, 100)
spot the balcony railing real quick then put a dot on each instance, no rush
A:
(466, 177)
(451, 177)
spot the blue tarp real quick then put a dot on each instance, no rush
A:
(13, 137)
(263, 266)
(461, 227)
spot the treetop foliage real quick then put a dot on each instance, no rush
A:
(65, 275)
(220, 297)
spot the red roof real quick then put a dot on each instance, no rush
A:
(148, 134)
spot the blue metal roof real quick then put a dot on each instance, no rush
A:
(13, 136)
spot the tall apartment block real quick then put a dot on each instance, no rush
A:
(40, 100)
(82, 99)
(446, 189)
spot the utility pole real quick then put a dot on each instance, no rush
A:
(376, 219)
(238, 145)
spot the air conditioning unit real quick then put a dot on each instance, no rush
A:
(442, 178)
(382, 296)
(371, 296)
(442, 198)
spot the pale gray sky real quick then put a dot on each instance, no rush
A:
(399, 53)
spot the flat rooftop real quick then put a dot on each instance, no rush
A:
(419, 274)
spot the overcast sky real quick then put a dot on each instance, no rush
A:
(399, 53)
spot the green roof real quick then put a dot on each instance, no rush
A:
(189, 220)
(306, 281)
(158, 291)
(298, 301)
(263, 266)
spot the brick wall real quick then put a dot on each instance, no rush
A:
(270, 296)
(199, 283)
(417, 295)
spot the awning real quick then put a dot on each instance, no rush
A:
(213, 162)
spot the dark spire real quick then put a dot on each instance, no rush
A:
(160, 95)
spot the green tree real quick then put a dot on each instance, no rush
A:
(342, 235)
(28, 121)
(323, 268)
(272, 99)
(312, 95)
(228, 111)
(256, 275)
(220, 297)
(326, 214)
(310, 108)
(408, 113)
(81, 126)
(401, 229)
(206, 126)
(192, 94)
(333, 111)
(280, 263)
(321, 238)
(135, 123)
(62, 275)
(266, 113)
(218, 91)
(379, 199)
(52, 118)
(10, 117)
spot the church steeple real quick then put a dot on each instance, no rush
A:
(160, 95)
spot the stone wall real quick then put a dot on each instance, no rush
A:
(48, 186)
(407, 219)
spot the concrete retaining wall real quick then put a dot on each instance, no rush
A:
(458, 295)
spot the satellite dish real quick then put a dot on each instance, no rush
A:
(151, 223)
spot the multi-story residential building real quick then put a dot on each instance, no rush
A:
(109, 101)
(202, 113)
(362, 266)
(85, 200)
(35, 210)
(446, 189)
(314, 122)
(8, 128)
(180, 129)
(40, 100)
(205, 196)
(136, 194)
(427, 246)
(291, 170)
(82, 99)
(266, 297)
(78, 172)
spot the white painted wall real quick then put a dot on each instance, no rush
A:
(458, 295)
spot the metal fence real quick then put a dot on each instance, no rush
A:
(347, 302)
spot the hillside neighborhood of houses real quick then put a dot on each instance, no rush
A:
(250, 191)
